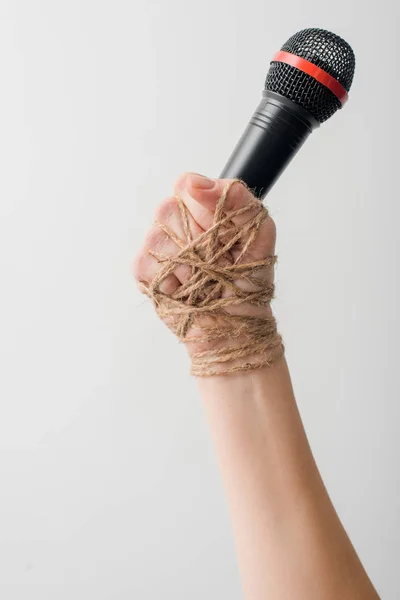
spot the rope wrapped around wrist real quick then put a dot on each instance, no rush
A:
(203, 310)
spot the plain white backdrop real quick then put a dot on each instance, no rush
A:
(109, 489)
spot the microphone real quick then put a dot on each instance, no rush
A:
(308, 81)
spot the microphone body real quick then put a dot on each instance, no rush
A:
(308, 81)
(275, 133)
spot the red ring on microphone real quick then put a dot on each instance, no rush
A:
(308, 67)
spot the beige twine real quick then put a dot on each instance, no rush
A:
(198, 311)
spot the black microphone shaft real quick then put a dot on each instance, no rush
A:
(277, 130)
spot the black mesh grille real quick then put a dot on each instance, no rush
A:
(324, 49)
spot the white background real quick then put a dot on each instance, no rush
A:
(108, 485)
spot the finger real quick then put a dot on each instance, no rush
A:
(146, 266)
(173, 217)
(174, 228)
(159, 246)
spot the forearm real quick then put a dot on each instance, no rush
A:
(208, 266)
(290, 542)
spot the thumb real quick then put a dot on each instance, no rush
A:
(201, 194)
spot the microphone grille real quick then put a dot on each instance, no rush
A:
(327, 51)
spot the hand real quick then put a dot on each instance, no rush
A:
(208, 265)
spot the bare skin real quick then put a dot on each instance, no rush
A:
(290, 542)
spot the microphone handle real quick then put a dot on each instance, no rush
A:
(277, 130)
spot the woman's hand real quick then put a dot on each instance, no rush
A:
(215, 294)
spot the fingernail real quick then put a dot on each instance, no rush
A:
(200, 182)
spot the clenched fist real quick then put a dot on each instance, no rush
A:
(207, 263)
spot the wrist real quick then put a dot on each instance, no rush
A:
(266, 382)
(223, 347)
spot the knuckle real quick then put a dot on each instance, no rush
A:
(166, 209)
(181, 180)
(239, 195)
(137, 266)
(157, 240)
(154, 238)
(271, 231)
(169, 285)
(183, 273)
(269, 234)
